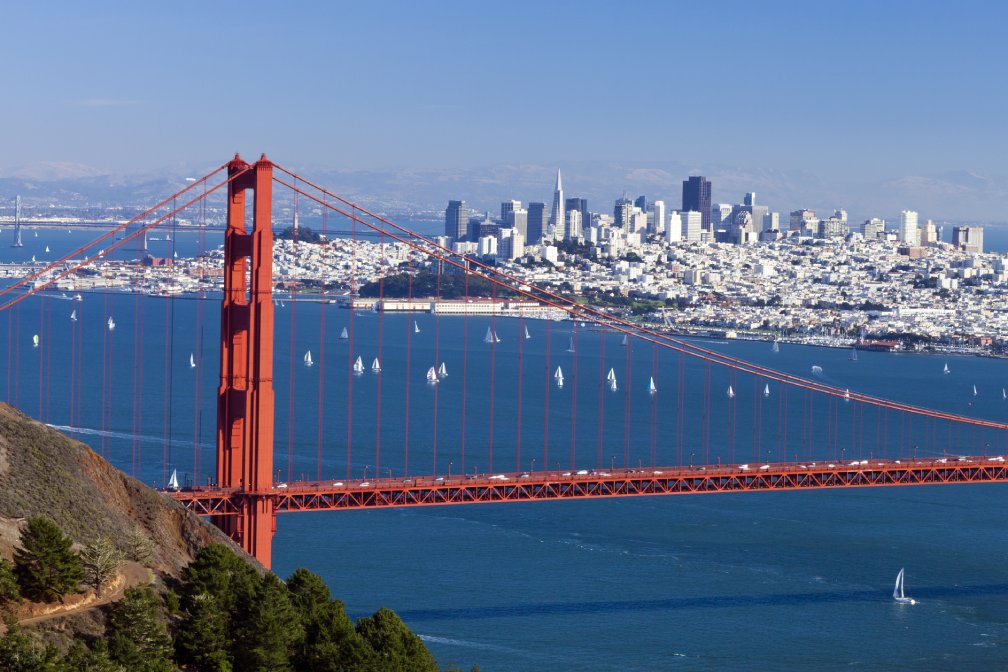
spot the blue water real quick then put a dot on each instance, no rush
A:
(754, 581)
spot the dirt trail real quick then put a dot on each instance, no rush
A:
(131, 574)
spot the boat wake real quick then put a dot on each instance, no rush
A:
(108, 434)
(448, 641)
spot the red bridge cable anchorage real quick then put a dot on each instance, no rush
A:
(586, 313)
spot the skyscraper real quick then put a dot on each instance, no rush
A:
(581, 205)
(908, 231)
(659, 216)
(557, 212)
(456, 220)
(696, 196)
(641, 202)
(536, 223)
(968, 238)
(622, 212)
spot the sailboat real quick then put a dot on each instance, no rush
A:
(897, 592)
(624, 340)
(432, 376)
(173, 481)
(73, 315)
(731, 392)
(766, 390)
(974, 391)
(308, 360)
(490, 337)
(853, 354)
(946, 371)
(1004, 395)
(776, 346)
(816, 370)
(559, 377)
(846, 395)
(192, 361)
(611, 377)
(111, 324)
(343, 334)
(416, 327)
(35, 341)
(443, 370)
(375, 366)
(47, 249)
(527, 334)
(358, 366)
(570, 348)
(651, 386)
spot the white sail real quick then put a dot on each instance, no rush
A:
(816, 369)
(974, 391)
(35, 341)
(559, 374)
(376, 366)
(946, 368)
(46, 248)
(651, 386)
(611, 376)
(731, 392)
(527, 334)
(173, 481)
(776, 346)
(432, 376)
(73, 315)
(612, 385)
(853, 354)
(624, 340)
(898, 593)
(111, 324)
(344, 335)
(1004, 395)
(358, 365)
(307, 359)
(416, 327)
(570, 348)
(443, 370)
(766, 390)
(192, 361)
(489, 338)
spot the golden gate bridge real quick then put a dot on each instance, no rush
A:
(245, 495)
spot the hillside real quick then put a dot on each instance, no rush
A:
(45, 472)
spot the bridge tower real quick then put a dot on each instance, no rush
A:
(245, 396)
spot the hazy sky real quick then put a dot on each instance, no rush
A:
(835, 88)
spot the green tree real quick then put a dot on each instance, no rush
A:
(9, 591)
(21, 653)
(397, 648)
(100, 560)
(218, 572)
(45, 566)
(268, 629)
(80, 659)
(308, 591)
(332, 645)
(139, 547)
(138, 634)
(202, 639)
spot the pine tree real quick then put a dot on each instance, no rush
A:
(9, 591)
(139, 547)
(21, 653)
(80, 659)
(202, 640)
(100, 561)
(139, 637)
(45, 565)
(398, 649)
(268, 629)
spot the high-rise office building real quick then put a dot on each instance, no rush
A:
(641, 202)
(929, 233)
(517, 219)
(581, 205)
(456, 220)
(508, 206)
(692, 226)
(804, 222)
(659, 216)
(537, 223)
(574, 229)
(908, 231)
(696, 196)
(673, 228)
(622, 212)
(749, 198)
(968, 238)
(873, 228)
(557, 211)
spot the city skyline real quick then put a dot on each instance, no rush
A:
(878, 112)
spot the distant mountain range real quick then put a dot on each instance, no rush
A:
(952, 196)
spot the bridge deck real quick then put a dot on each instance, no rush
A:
(334, 495)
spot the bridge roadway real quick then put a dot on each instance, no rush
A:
(332, 495)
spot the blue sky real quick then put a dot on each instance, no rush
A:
(882, 89)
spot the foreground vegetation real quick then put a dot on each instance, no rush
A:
(221, 616)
